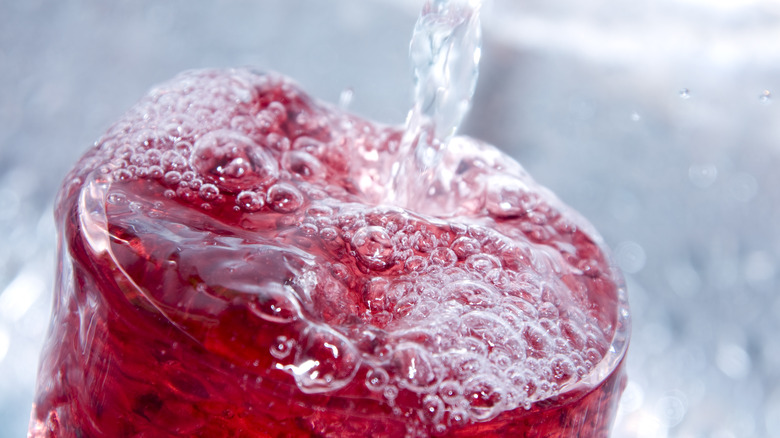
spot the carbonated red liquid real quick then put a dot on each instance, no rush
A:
(227, 269)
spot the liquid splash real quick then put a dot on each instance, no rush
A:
(445, 51)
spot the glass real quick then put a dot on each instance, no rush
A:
(224, 271)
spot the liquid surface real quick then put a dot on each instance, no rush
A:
(229, 268)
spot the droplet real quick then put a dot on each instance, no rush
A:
(373, 247)
(233, 161)
(284, 198)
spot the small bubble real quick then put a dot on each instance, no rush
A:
(509, 197)
(208, 192)
(635, 117)
(275, 304)
(451, 391)
(485, 397)
(302, 164)
(284, 198)
(233, 161)
(373, 247)
(443, 257)
(465, 246)
(250, 201)
(432, 409)
(122, 175)
(685, 93)
(327, 362)
(377, 379)
(416, 367)
(172, 178)
(172, 160)
(282, 347)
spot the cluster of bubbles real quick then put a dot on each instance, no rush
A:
(504, 300)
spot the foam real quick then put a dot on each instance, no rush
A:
(503, 301)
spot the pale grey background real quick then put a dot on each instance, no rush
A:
(654, 118)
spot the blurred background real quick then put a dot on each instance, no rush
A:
(657, 119)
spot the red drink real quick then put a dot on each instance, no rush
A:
(226, 271)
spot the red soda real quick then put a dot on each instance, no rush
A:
(227, 269)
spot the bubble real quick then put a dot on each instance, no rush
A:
(179, 126)
(172, 160)
(482, 263)
(485, 397)
(432, 409)
(250, 201)
(415, 367)
(509, 197)
(536, 340)
(284, 198)
(548, 310)
(415, 264)
(424, 241)
(208, 192)
(451, 391)
(684, 93)
(377, 379)
(275, 304)
(443, 257)
(465, 246)
(277, 111)
(233, 161)
(303, 164)
(327, 362)
(373, 247)
(155, 172)
(122, 175)
(282, 347)
(562, 369)
(470, 293)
